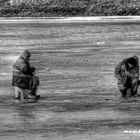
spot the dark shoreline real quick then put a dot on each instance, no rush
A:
(70, 8)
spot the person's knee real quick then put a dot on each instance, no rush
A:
(121, 87)
(123, 93)
(138, 82)
(135, 81)
(135, 84)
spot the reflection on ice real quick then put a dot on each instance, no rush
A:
(4, 73)
(10, 58)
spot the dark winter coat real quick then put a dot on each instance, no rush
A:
(122, 68)
(22, 71)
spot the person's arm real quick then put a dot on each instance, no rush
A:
(135, 73)
(136, 76)
(26, 69)
(117, 71)
(137, 67)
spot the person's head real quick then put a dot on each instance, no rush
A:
(132, 61)
(26, 55)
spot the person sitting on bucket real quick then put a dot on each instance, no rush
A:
(127, 73)
(23, 78)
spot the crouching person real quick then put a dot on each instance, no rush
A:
(127, 73)
(24, 81)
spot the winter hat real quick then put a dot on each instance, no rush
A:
(132, 61)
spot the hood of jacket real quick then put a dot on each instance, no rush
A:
(126, 61)
(25, 55)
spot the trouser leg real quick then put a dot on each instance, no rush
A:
(34, 83)
(135, 84)
(123, 89)
(33, 91)
(123, 92)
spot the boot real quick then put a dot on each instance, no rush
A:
(32, 95)
(123, 93)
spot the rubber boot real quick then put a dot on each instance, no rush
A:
(32, 94)
(123, 93)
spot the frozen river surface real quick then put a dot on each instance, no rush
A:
(80, 99)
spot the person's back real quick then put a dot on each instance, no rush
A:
(127, 73)
(22, 71)
(22, 75)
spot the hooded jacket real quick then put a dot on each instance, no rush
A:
(123, 72)
(22, 71)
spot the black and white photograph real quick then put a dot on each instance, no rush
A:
(69, 69)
